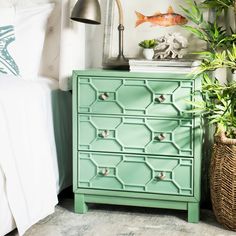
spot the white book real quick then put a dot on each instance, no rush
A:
(162, 69)
(164, 63)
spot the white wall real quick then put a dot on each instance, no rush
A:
(94, 40)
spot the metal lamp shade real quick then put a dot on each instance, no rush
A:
(87, 11)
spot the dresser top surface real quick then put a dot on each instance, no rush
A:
(122, 73)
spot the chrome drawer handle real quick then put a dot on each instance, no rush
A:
(105, 172)
(160, 99)
(104, 96)
(161, 176)
(104, 134)
(160, 137)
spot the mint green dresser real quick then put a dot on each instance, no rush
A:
(133, 142)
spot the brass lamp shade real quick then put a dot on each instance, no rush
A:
(87, 11)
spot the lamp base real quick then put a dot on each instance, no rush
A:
(119, 63)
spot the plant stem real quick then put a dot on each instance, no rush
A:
(221, 137)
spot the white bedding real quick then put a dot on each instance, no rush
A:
(29, 176)
(6, 218)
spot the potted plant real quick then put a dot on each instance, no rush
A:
(148, 46)
(218, 107)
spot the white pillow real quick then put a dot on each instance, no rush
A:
(30, 27)
(7, 42)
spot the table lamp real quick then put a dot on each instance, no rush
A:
(89, 11)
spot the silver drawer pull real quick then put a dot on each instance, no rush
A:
(160, 99)
(104, 134)
(161, 176)
(160, 137)
(104, 96)
(105, 172)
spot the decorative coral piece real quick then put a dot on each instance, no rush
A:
(171, 45)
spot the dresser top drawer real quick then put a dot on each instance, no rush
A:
(134, 96)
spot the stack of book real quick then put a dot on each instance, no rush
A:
(171, 66)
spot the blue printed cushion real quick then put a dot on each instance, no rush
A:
(7, 62)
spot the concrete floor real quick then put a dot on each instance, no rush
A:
(106, 220)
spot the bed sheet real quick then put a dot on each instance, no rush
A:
(35, 158)
(6, 218)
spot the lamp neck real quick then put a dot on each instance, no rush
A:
(121, 41)
(121, 58)
(120, 10)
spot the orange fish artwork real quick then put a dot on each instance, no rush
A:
(162, 19)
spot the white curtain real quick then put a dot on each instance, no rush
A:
(72, 45)
(64, 48)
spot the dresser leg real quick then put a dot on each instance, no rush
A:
(80, 205)
(193, 212)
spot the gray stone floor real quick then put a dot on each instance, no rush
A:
(106, 220)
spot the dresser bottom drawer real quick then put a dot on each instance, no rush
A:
(136, 173)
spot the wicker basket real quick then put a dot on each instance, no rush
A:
(223, 184)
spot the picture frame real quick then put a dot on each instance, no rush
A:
(133, 35)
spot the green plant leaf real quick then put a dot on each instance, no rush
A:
(196, 32)
(148, 43)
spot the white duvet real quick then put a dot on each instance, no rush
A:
(28, 168)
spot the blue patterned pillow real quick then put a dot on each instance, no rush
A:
(7, 63)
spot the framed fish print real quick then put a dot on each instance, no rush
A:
(145, 19)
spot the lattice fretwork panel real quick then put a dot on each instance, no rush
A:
(135, 96)
(165, 136)
(140, 173)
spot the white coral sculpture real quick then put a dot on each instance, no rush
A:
(171, 45)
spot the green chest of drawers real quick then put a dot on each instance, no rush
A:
(133, 142)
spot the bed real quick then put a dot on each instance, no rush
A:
(35, 125)
(35, 152)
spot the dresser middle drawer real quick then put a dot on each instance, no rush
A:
(165, 136)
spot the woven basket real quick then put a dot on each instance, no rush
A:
(223, 184)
